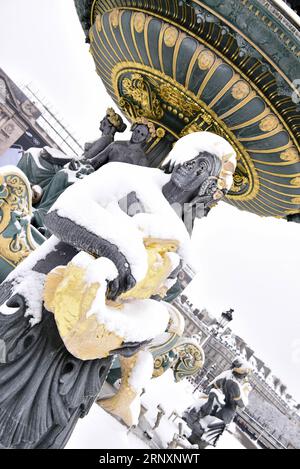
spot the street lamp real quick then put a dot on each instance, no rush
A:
(226, 318)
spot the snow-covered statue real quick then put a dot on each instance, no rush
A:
(228, 392)
(91, 291)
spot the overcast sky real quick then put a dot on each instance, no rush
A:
(245, 262)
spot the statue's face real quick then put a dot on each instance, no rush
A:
(191, 175)
(140, 134)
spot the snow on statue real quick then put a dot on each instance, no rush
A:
(92, 290)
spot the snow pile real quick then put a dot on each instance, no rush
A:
(189, 146)
(30, 284)
(142, 372)
(35, 154)
(93, 203)
(56, 154)
(31, 287)
(140, 377)
(99, 430)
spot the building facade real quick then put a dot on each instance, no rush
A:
(272, 417)
(25, 122)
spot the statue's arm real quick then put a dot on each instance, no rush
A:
(84, 240)
(92, 149)
(101, 159)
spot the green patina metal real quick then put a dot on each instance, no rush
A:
(186, 66)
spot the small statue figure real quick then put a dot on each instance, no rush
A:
(128, 152)
(87, 293)
(50, 171)
(227, 392)
(109, 126)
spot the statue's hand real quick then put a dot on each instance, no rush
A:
(74, 165)
(85, 170)
(123, 283)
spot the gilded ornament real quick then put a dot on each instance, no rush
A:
(178, 100)
(121, 404)
(145, 99)
(269, 123)
(296, 201)
(295, 182)
(171, 36)
(16, 242)
(206, 60)
(114, 17)
(290, 155)
(160, 132)
(190, 360)
(139, 22)
(98, 23)
(240, 90)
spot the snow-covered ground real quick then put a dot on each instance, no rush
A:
(100, 430)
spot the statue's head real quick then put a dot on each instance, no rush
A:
(191, 175)
(112, 122)
(203, 165)
(142, 130)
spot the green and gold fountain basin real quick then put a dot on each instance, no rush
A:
(227, 67)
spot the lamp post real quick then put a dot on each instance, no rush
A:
(226, 318)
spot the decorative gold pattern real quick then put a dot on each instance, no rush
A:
(206, 60)
(171, 36)
(98, 23)
(240, 90)
(269, 123)
(190, 360)
(290, 155)
(174, 96)
(142, 95)
(139, 22)
(120, 405)
(296, 182)
(159, 269)
(114, 17)
(179, 101)
(16, 242)
(253, 199)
